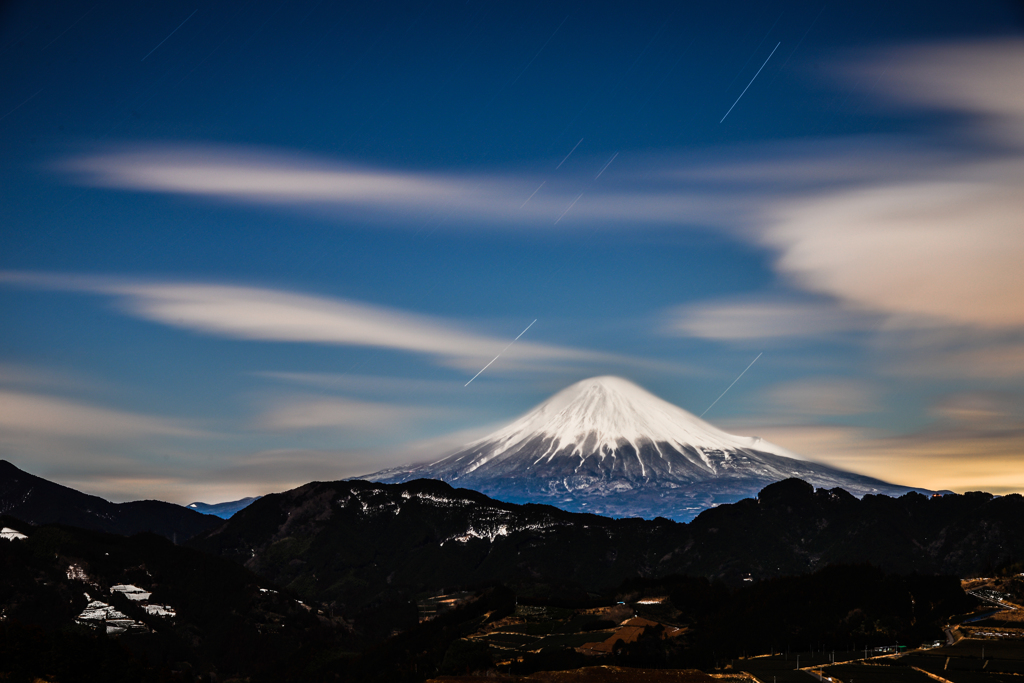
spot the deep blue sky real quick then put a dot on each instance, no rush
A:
(244, 245)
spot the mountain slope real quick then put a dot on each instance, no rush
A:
(605, 445)
(223, 510)
(39, 501)
(355, 542)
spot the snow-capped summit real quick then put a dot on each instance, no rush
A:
(606, 445)
(598, 417)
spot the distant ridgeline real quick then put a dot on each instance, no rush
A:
(223, 510)
(349, 541)
(40, 501)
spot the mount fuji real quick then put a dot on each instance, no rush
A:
(606, 446)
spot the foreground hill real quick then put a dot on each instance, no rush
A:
(606, 446)
(39, 501)
(353, 542)
(79, 605)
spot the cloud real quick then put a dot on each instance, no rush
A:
(365, 384)
(118, 487)
(981, 79)
(227, 477)
(943, 246)
(974, 443)
(832, 396)
(794, 168)
(28, 414)
(942, 354)
(17, 375)
(284, 468)
(251, 175)
(119, 454)
(254, 313)
(261, 176)
(348, 414)
(947, 252)
(987, 410)
(937, 458)
(763, 318)
(230, 477)
(916, 246)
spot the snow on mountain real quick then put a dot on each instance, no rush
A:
(606, 445)
(601, 416)
(131, 592)
(100, 615)
(103, 616)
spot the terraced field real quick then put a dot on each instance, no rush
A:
(535, 629)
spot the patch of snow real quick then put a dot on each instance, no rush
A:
(131, 592)
(76, 573)
(489, 534)
(607, 413)
(99, 611)
(440, 500)
(12, 534)
(160, 610)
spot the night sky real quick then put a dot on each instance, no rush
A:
(248, 245)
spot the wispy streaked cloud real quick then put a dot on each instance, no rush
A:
(764, 319)
(433, 448)
(255, 313)
(913, 250)
(340, 413)
(936, 458)
(829, 396)
(942, 245)
(982, 410)
(767, 171)
(224, 478)
(972, 443)
(364, 384)
(942, 354)
(28, 376)
(926, 229)
(944, 251)
(267, 177)
(257, 176)
(979, 78)
(99, 449)
(23, 413)
(230, 477)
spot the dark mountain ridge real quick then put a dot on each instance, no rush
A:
(353, 541)
(39, 501)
